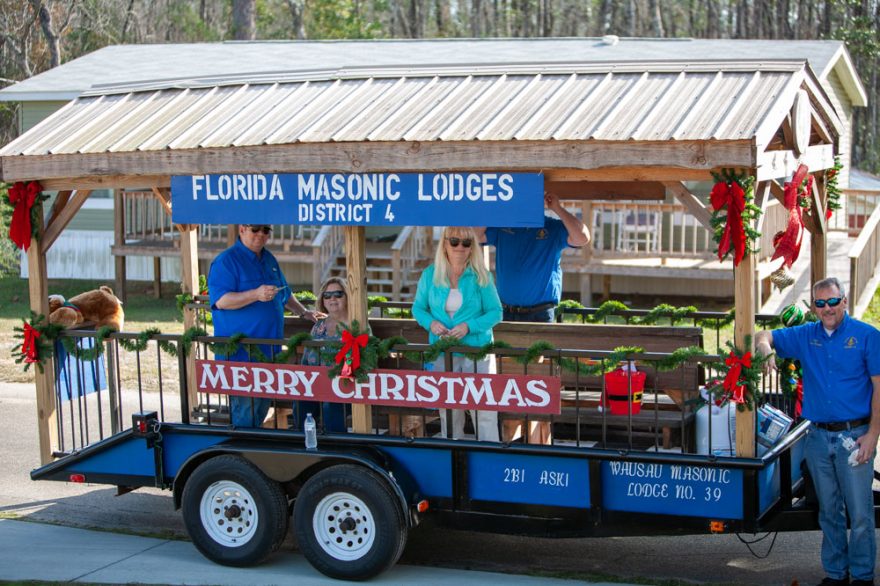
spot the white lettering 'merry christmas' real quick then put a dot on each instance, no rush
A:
(237, 187)
(381, 386)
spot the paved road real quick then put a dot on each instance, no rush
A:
(708, 558)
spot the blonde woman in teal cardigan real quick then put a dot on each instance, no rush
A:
(456, 297)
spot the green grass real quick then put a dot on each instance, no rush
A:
(140, 306)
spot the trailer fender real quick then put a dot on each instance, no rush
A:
(285, 465)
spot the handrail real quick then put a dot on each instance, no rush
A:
(325, 247)
(863, 259)
(396, 248)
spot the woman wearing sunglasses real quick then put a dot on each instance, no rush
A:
(333, 301)
(456, 297)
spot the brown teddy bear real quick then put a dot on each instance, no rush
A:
(99, 307)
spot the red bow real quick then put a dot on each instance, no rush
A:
(731, 381)
(731, 196)
(22, 198)
(352, 344)
(29, 346)
(789, 246)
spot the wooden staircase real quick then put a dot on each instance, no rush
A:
(393, 269)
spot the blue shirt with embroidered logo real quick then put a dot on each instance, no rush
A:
(238, 269)
(527, 262)
(836, 368)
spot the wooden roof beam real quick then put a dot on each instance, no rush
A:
(413, 157)
(586, 190)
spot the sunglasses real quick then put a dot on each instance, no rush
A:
(332, 294)
(256, 228)
(833, 302)
(454, 242)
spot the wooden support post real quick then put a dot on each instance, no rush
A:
(47, 429)
(189, 272)
(745, 287)
(818, 234)
(119, 240)
(157, 278)
(356, 267)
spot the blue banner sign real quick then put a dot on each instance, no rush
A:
(690, 491)
(367, 199)
(534, 480)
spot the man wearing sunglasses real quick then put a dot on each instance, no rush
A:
(840, 360)
(528, 267)
(249, 295)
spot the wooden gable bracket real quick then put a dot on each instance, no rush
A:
(163, 194)
(783, 164)
(696, 207)
(66, 206)
(815, 220)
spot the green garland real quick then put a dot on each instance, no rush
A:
(36, 218)
(832, 188)
(44, 343)
(750, 214)
(750, 377)
(661, 312)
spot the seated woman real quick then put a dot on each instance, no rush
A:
(332, 300)
(456, 297)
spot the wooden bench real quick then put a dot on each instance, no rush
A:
(679, 384)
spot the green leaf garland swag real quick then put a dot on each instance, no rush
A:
(37, 337)
(832, 188)
(734, 213)
(740, 378)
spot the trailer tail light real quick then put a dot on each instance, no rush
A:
(716, 526)
(80, 478)
(144, 423)
(422, 506)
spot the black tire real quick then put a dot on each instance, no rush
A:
(349, 523)
(235, 515)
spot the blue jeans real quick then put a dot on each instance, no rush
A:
(248, 412)
(544, 316)
(842, 489)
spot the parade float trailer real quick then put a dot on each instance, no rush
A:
(427, 146)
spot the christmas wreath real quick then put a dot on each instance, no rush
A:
(740, 380)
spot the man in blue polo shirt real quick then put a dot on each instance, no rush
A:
(528, 262)
(248, 295)
(840, 361)
(528, 268)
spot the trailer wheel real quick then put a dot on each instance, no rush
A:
(235, 515)
(349, 523)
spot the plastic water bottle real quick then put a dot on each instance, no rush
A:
(311, 432)
(851, 445)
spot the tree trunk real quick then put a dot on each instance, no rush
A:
(244, 27)
(297, 9)
(51, 36)
(656, 18)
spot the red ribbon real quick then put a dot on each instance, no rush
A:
(351, 344)
(731, 196)
(29, 346)
(732, 380)
(789, 246)
(22, 197)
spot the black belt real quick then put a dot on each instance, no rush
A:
(843, 425)
(528, 309)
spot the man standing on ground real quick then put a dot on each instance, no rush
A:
(528, 267)
(248, 295)
(840, 361)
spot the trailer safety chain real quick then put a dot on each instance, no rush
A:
(749, 544)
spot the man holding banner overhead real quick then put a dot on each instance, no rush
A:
(249, 295)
